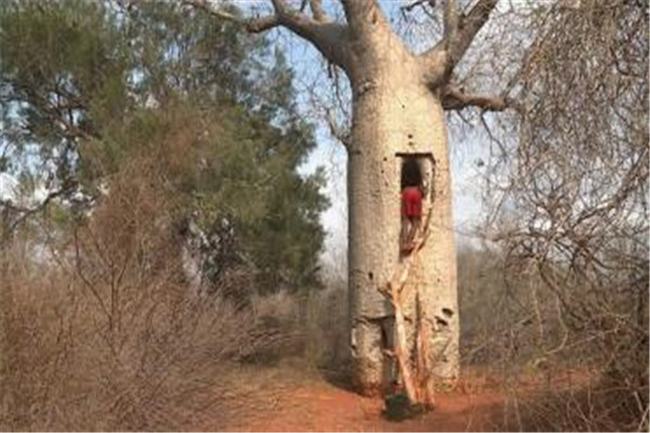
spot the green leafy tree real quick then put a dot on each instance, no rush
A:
(86, 87)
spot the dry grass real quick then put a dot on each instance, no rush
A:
(63, 370)
(99, 331)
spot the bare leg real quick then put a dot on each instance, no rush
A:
(405, 236)
(414, 226)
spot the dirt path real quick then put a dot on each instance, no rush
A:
(327, 408)
(317, 405)
(290, 397)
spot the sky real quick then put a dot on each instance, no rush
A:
(8, 187)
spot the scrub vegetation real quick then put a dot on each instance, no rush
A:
(160, 247)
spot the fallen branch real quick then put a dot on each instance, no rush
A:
(423, 392)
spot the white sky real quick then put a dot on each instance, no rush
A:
(8, 187)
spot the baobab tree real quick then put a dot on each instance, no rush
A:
(398, 114)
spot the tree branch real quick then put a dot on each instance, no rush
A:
(469, 26)
(256, 25)
(317, 10)
(27, 212)
(460, 31)
(454, 98)
(360, 14)
(328, 37)
(451, 23)
(422, 3)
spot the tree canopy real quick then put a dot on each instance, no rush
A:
(88, 87)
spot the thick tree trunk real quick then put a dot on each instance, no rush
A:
(396, 115)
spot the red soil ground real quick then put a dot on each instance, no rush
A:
(324, 407)
(283, 399)
(310, 403)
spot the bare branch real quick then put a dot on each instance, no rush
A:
(470, 25)
(454, 98)
(338, 131)
(317, 10)
(422, 4)
(451, 23)
(409, 7)
(327, 37)
(263, 24)
(256, 25)
(460, 31)
(27, 212)
(361, 14)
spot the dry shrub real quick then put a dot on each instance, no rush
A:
(102, 332)
(574, 359)
(588, 406)
(568, 190)
(579, 366)
(313, 327)
(328, 329)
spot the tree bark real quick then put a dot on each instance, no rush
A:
(396, 114)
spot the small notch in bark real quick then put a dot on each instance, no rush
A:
(447, 312)
(370, 276)
(384, 339)
(365, 87)
(441, 322)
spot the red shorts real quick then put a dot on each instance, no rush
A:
(412, 202)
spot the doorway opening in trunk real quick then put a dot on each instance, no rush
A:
(417, 169)
(411, 173)
(415, 176)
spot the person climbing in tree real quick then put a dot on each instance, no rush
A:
(411, 196)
